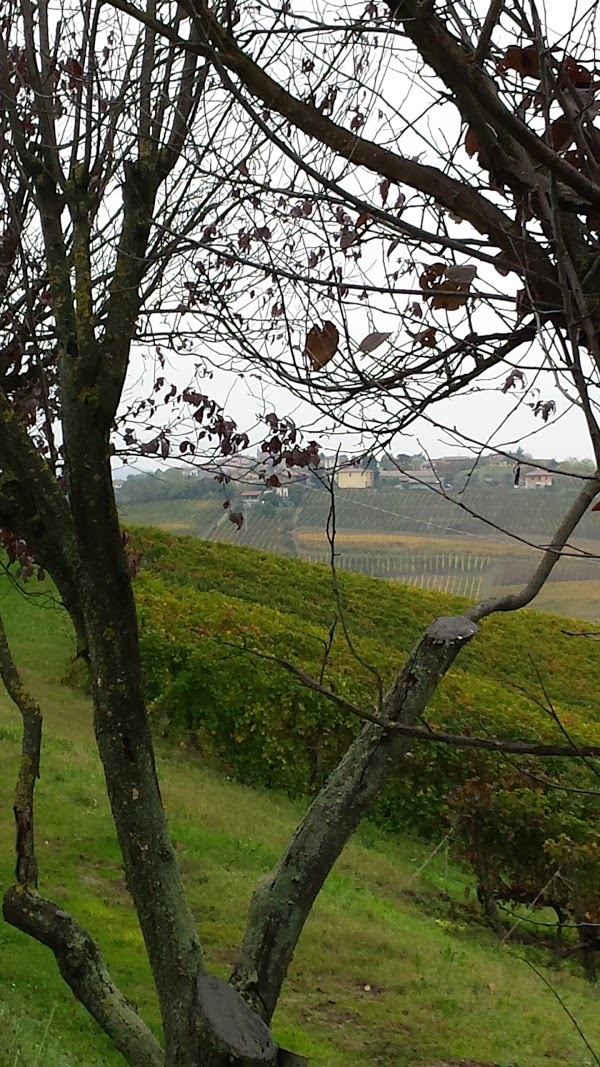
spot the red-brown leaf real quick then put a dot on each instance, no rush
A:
(516, 377)
(560, 134)
(447, 298)
(321, 344)
(426, 337)
(384, 188)
(472, 145)
(571, 73)
(525, 61)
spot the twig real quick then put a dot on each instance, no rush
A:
(429, 858)
(494, 12)
(521, 918)
(556, 717)
(513, 601)
(331, 531)
(581, 633)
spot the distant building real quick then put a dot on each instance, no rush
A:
(118, 484)
(453, 464)
(419, 478)
(249, 493)
(534, 478)
(355, 478)
(329, 463)
(196, 472)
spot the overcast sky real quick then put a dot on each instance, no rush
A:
(486, 418)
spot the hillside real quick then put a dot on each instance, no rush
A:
(394, 967)
(513, 650)
(416, 537)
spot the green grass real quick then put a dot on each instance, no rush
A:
(388, 971)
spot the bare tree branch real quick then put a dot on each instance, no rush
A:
(84, 971)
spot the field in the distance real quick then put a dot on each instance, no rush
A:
(412, 536)
(198, 518)
(390, 969)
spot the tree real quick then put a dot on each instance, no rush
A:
(577, 466)
(165, 199)
(404, 461)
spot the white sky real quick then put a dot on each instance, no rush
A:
(488, 417)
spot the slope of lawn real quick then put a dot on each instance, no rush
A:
(391, 968)
(512, 650)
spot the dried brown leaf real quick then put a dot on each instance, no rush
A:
(426, 337)
(384, 188)
(516, 377)
(462, 274)
(321, 344)
(373, 341)
(446, 298)
(525, 61)
(472, 145)
(236, 518)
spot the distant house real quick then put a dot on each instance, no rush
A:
(390, 476)
(355, 478)
(249, 492)
(289, 476)
(534, 478)
(118, 484)
(329, 463)
(412, 479)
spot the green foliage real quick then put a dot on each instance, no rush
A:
(450, 572)
(530, 844)
(389, 968)
(241, 707)
(173, 484)
(214, 618)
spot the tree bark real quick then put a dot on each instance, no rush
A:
(282, 902)
(77, 955)
(83, 969)
(192, 1037)
(29, 765)
(123, 733)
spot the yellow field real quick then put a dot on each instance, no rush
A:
(372, 539)
(579, 600)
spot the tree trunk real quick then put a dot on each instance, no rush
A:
(282, 902)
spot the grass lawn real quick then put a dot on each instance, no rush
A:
(388, 971)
